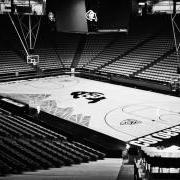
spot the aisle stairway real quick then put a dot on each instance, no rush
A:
(126, 172)
(106, 169)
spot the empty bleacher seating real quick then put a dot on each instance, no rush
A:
(27, 146)
(141, 57)
(162, 71)
(10, 62)
(157, 163)
(120, 46)
(66, 45)
(48, 59)
(95, 43)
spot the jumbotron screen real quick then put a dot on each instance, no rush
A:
(32, 7)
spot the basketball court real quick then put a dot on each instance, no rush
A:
(120, 112)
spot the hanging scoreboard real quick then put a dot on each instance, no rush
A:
(25, 7)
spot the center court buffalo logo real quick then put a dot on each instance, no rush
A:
(130, 122)
(92, 97)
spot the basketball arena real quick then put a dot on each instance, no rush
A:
(89, 89)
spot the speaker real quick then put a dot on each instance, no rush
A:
(70, 16)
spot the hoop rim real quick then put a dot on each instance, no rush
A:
(33, 59)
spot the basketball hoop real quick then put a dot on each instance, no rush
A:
(175, 83)
(33, 59)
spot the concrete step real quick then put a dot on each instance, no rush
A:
(107, 169)
(126, 172)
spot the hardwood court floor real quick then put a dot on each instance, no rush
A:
(121, 112)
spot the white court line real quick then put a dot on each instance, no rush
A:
(145, 117)
(107, 114)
